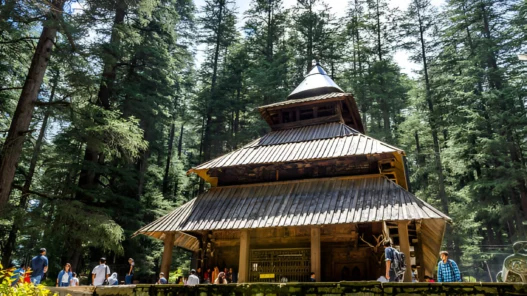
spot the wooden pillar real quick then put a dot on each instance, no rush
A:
(243, 268)
(419, 253)
(315, 252)
(166, 261)
(404, 245)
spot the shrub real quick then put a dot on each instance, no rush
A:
(21, 289)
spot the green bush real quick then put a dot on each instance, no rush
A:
(21, 289)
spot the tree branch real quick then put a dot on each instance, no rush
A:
(18, 40)
(10, 88)
(34, 192)
(48, 104)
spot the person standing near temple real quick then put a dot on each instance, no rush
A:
(221, 278)
(100, 273)
(389, 254)
(39, 266)
(312, 277)
(215, 273)
(162, 280)
(447, 270)
(75, 280)
(130, 274)
(207, 276)
(193, 279)
(65, 276)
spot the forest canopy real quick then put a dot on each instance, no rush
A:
(104, 108)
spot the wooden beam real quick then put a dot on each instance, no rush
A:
(419, 253)
(315, 252)
(404, 245)
(166, 261)
(243, 268)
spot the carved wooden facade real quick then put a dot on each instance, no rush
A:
(313, 195)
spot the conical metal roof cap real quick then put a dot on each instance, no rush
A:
(315, 83)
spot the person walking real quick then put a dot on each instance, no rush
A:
(74, 280)
(65, 276)
(389, 254)
(221, 278)
(193, 279)
(39, 266)
(447, 270)
(130, 274)
(100, 273)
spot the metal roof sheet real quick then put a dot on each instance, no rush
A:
(305, 143)
(296, 203)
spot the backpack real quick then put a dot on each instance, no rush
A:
(399, 262)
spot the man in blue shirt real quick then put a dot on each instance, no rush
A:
(39, 266)
(389, 255)
(447, 270)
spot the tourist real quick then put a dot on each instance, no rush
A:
(199, 274)
(19, 275)
(312, 277)
(185, 280)
(228, 275)
(39, 266)
(179, 280)
(234, 276)
(27, 274)
(74, 280)
(193, 278)
(207, 276)
(221, 278)
(64, 277)
(447, 270)
(130, 274)
(162, 280)
(389, 254)
(100, 273)
(113, 280)
(215, 273)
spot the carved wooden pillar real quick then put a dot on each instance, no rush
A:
(166, 261)
(404, 244)
(315, 252)
(243, 268)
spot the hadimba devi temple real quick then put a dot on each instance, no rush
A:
(315, 194)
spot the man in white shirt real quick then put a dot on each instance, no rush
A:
(100, 273)
(193, 279)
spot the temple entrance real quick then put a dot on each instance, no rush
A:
(280, 265)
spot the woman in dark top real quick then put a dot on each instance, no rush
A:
(130, 274)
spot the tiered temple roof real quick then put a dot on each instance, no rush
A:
(315, 167)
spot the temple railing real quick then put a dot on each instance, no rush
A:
(318, 289)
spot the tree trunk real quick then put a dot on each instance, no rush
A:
(88, 179)
(432, 118)
(207, 137)
(12, 148)
(19, 218)
(169, 157)
(180, 142)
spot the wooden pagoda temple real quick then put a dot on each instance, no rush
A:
(315, 194)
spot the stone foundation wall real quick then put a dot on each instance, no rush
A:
(311, 289)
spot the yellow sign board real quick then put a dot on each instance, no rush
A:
(267, 275)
